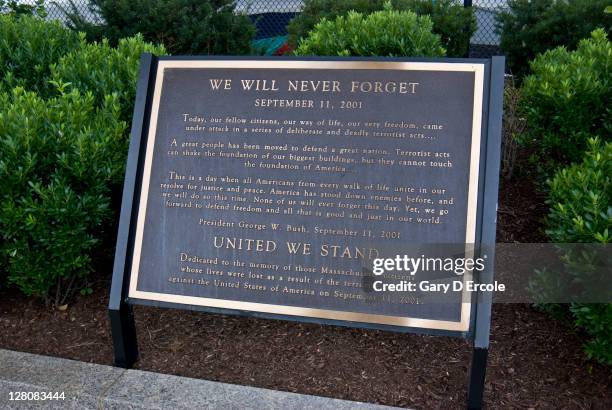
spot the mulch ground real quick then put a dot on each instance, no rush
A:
(534, 361)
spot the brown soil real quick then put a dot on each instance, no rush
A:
(521, 211)
(534, 361)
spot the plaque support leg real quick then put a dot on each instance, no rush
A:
(477, 378)
(124, 336)
(120, 312)
(489, 217)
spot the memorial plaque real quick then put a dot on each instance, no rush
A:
(279, 187)
(265, 185)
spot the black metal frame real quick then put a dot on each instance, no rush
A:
(121, 317)
(120, 306)
(484, 301)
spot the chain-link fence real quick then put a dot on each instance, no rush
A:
(271, 18)
(485, 41)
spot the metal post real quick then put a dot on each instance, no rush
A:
(466, 4)
(489, 218)
(120, 312)
(124, 336)
(477, 378)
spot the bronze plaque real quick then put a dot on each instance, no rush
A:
(266, 184)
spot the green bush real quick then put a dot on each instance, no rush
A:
(596, 320)
(15, 8)
(580, 199)
(103, 70)
(580, 203)
(564, 100)
(530, 27)
(382, 33)
(59, 159)
(183, 26)
(454, 23)
(28, 46)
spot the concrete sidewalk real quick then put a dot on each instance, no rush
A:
(94, 386)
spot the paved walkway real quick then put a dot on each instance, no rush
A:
(94, 386)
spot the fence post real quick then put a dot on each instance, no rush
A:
(467, 3)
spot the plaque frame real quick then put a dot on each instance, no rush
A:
(120, 304)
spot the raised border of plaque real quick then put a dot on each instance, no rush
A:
(336, 315)
(482, 208)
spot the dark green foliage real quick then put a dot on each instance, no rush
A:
(17, 8)
(580, 199)
(596, 320)
(28, 46)
(59, 159)
(382, 33)
(103, 70)
(454, 23)
(183, 26)
(314, 11)
(530, 27)
(580, 203)
(566, 100)
(62, 156)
